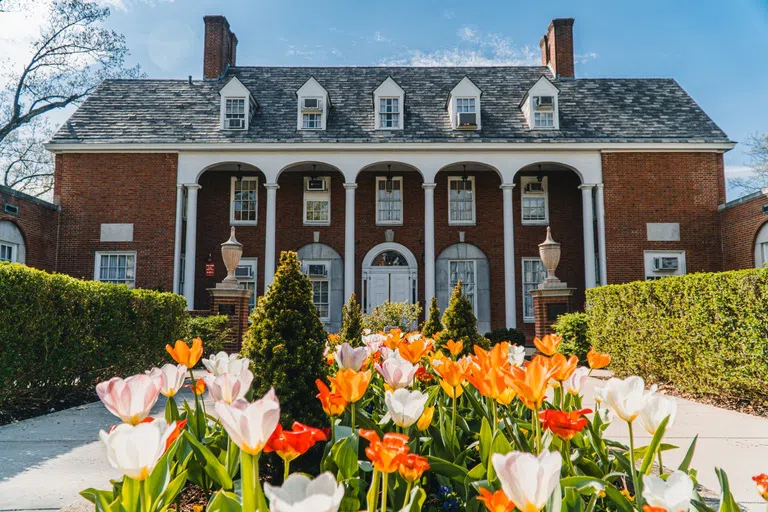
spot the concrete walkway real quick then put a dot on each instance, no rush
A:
(46, 461)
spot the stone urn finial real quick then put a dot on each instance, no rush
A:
(549, 251)
(231, 252)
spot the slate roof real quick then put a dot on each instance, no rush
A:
(591, 110)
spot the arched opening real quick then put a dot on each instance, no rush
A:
(468, 264)
(390, 273)
(12, 246)
(761, 246)
(325, 269)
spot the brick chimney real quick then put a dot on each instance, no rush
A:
(220, 46)
(557, 47)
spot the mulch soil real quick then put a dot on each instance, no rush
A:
(23, 408)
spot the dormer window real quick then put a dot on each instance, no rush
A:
(312, 113)
(237, 106)
(389, 103)
(540, 106)
(314, 103)
(464, 105)
(544, 112)
(389, 112)
(234, 116)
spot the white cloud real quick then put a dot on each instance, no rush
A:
(738, 171)
(449, 14)
(467, 33)
(380, 38)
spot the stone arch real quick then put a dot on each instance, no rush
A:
(321, 253)
(306, 165)
(12, 237)
(550, 166)
(397, 282)
(760, 251)
(383, 163)
(456, 166)
(463, 254)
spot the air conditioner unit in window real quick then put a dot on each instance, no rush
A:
(666, 264)
(236, 124)
(534, 187)
(316, 185)
(317, 270)
(467, 120)
(544, 103)
(311, 105)
(244, 272)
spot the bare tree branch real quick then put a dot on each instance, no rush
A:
(758, 161)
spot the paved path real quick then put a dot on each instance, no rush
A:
(46, 461)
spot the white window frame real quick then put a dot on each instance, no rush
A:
(97, 265)
(182, 266)
(232, 220)
(228, 116)
(471, 222)
(531, 318)
(244, 282)
(321, 120)
(545, 183)
(310, 195)
(399, 113)
(539, 117)
(764, 252)
(399, 179)
(651, 274)
(452, 285)
(327, 279)
(14, 248)
(535, 123)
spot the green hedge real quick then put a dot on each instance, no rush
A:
(573, 328)
(59, 334)
(705, 334)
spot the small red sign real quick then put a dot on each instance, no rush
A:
(209, 270)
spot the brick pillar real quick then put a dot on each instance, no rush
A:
(548, 304)
(234, 304)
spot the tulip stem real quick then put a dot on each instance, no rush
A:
(352, 410)
(287, 470)
(146, 496)
(248, 486)
(407, 493)
(635, 483)
(333, 430)
(384, 481)
(453, 416)
(661, 464)
(373, 492)
(592, 502)
(537, 430)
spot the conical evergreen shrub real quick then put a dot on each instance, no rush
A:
(433, 325)
(351, 323)
(459, 322)
(285, 343)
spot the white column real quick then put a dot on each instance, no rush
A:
(349, 241)
(429, 242)
(589, 235)
(269, 242)
(510, 308)
(601, 234)
(189, 252)
(177, 237)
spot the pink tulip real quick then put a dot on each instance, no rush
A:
(250, 425)
(396, 371)
(173, 378)
(229, 387)
(130, 399)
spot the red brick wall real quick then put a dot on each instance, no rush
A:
(138, 188)
(661, 187)
(740, 223)
(38, 222)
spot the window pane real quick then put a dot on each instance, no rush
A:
(534, 273)
(245, 199)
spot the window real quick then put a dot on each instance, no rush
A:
(764, 252)
(464, 271)
(660, 264)
(543, 111)
(311, 121)
(311, 113)
(246, 277)
(534, 273)
(234, 114)
(244, 200)
(116, 268)
(461, 200)
(317, 200)
(465, 105)
(543, 119)
(319, 275)
(389, 112)
(7, 252)
(389, 200)
(534, 200)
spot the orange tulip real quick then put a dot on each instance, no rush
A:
(333, 403)
(198, 388)
(648, 508)
(563, 368)
(549, 344)
(762, 485)
(412, 467)
(289, 444)
(393, 338)
(413, 351)
(597, 360)
(351, 384)
(496, 501)
(454, 347)
(531, 382)
(177, 428)
(564, 425)
(183, 354)
(489, 372)
(386, 454)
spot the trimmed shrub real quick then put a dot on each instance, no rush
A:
(213, 329)
(285, 343)
(459, 323)
(60, 335)
(433, 325)
(573, 328)
(705, 334)
(512, 335)
(392, 314)
(351, 323)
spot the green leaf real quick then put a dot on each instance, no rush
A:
(224, 501)
(171, 491)
(581, 483)
(653, 446)
(344, 454)
(686, 463)
(486, 439)
(618, 499)
(448, 469)
(727, 502)
(212, 466)
(161, 475)
(572, 501)
(479, 409)
(102, 499)
(416, 501)
(642, 451)
(129, 494)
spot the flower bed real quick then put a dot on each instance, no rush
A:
(412, 429)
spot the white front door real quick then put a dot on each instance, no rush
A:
(392, 285)
(378, 292)
(399, 285)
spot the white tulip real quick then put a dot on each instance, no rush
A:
(172, 377)
(516, 355)
(576, 381)
(130, 399)
(404, 407)
(249, 425)
(300, 494)
(396, 371)
(674, 495)
(226, 363)
(373, 341)
(350, 358)
(526, 479)
(625, 397)
(229, 387)
(656, 408)
(135, 449)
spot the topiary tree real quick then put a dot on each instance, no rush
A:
(351, 322)
(433, 325)
(459, 322)
(285, 343)
(392, 314)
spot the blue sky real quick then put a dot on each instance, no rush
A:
(715, 49)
